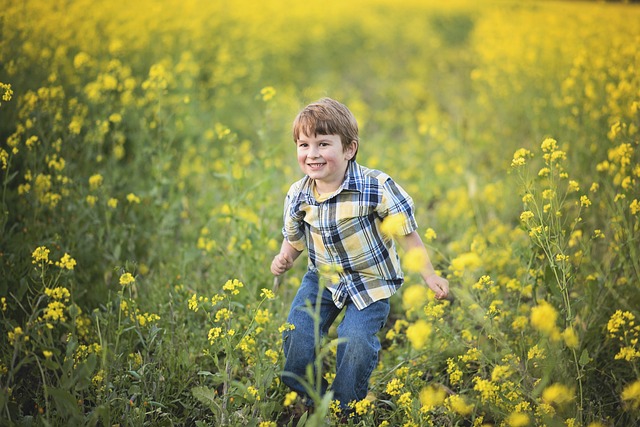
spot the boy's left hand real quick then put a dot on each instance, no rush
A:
(439, 285)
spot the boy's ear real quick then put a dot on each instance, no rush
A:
(351, 150)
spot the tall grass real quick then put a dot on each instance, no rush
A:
(145, 151)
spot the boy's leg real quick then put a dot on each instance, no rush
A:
(299, 344)
(358, 356)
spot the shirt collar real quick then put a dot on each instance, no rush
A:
(353, 180)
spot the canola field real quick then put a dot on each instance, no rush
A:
(146, 149)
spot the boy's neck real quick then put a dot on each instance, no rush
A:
(323, 187)
(326, 188)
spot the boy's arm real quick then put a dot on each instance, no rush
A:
(437, 284)
(284, 260)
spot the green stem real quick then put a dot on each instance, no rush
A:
(44, 388)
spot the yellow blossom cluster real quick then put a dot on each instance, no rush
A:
(623, 328)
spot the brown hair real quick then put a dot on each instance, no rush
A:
(327, 117)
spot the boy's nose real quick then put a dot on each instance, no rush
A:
(313, 152)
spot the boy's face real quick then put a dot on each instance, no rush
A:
(323, 159)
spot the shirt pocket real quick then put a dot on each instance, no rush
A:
(352, 217)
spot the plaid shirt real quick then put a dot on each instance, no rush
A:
(342, 233)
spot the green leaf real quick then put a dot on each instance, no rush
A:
(135, 375)
(584, 358)
(65, 403)
(205, 395)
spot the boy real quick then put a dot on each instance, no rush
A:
(336, 212)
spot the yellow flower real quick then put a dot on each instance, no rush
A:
(549, 144)
(132, 198)
(543, 318)
(193, 303)
(213, 334)
(431, 396)
(393, 225)
(268, 294)
(362, 406)
(233, 286)
(24, 188)
(518, 419)
(59, 293)
(483, 283)
(545, 171)
(54, 312)
(465, 261)
(267, 93)
(40, 255)
(394, 386)
(95, 181)
(557, 394)
(222, 314)
(500, 372)
(526, 216)
(570, 338)
(135, 359)
(627, 353)
(286, 327)
(415, 260)
(91, 200)
(98, 378)
(455, 374)
(519, 323)
(81, 59)
(262, 316)
(631, 395)
(66, 262)
(14, 335)
(520, 157)
(430, 235)
(253, 392)
(405, 400)
(418, 334)
(434, 311)
(457, 404)
(414, 297)
(488, 390)
(290, 398)
(112, 203)
(127, 279)
(7, 92)
(617, 320)
(584, 201)
(634, 207)
(272, 355)
(47, 354)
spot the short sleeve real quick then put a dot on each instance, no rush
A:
(397, 202)
(293, 229)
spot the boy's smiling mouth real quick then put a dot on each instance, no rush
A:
(315, 165)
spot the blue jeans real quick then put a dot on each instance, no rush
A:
(357, 356)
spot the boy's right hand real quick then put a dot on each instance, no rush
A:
(280, 264)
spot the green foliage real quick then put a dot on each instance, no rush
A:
(145, 151)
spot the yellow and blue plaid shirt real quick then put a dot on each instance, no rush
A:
(342, 234)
